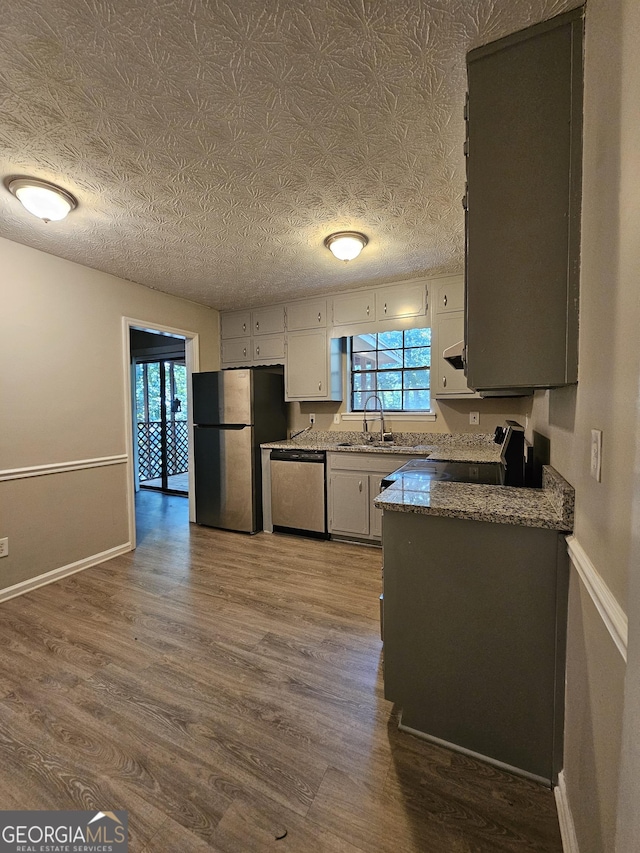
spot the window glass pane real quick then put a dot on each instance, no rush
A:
(389, 340)
(359, 399)
(417, 357)
(153, 373)
(389, 358)
(364, 360)
(389, 379)
(416, 379)
(360, 343)
(417, 400)
(391, 400)
(140, 392)
(363, 381)
(417, 338)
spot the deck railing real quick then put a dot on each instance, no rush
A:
(150, 449)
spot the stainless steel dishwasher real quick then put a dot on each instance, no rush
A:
(298, 491)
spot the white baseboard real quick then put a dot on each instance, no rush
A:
(63, 572)
(565, 818)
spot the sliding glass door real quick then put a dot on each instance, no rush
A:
(161, 420)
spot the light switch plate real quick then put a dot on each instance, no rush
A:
(336, 418)
(474, 417)
(4, 547)
(596, 454)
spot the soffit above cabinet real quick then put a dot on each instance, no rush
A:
(213, 146)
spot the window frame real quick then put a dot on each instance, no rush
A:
(404, 413)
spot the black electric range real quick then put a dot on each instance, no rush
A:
(509, 471)
(483, 473)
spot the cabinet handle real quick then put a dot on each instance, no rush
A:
(465, 148)
(444, 381)
(319, 317)
(244, 327)
(257, 350)
(257, 325)
(367, 310)
(359, 485)
(319, 386)
(244, 352)
(444, 299)
(385, 307)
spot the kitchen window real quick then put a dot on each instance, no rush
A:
(393, 365)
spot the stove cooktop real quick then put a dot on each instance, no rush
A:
(483, 473)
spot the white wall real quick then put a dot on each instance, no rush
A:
(599, 720)
(62, 400)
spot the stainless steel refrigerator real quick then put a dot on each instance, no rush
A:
(234, 412)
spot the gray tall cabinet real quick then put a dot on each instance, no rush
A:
(524, 152)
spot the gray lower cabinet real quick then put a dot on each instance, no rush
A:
(524, 147)
(474, 636)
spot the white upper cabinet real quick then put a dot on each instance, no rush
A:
(313, 369)
(267, 321)
(235, 324)
(449, 296)
(401, 301)
(311, 314)
(268, 349)
(359, 307)
(236, 352)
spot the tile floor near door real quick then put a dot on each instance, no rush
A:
(226, 689)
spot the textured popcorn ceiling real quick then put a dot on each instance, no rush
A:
(213, 145)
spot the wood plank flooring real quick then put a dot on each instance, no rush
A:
(226, 689)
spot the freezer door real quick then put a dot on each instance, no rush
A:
(225, 478)
(222, 397)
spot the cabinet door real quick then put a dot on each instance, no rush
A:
(267, 321)
(375, 514)
(524, 125)
(307, 365)
(236, 352)
(268, 348)
(354, 308)
(449, 296)
(307, 315)
(349, 502)
(235, 324)
(402, 301)
(448, 380)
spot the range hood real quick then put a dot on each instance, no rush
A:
(455, 355)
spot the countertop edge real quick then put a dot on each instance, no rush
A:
(551, 507)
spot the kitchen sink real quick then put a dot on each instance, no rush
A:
(381, 445)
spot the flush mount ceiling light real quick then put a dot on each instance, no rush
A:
(42, 199)
(346, 245)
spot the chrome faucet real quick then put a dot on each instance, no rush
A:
(384, 436)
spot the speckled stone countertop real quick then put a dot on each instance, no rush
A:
(450, 447)
(550, 507)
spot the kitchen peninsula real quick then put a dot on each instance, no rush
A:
(475, 602)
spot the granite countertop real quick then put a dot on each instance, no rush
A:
(456, 447)
(550, 507)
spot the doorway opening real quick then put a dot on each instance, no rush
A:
(159, 362)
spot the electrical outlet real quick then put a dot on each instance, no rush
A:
(312, 419)
(596, 454)
(474, 418)
(4, 547)
(336, 418)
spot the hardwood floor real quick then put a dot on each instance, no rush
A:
(225, 689)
